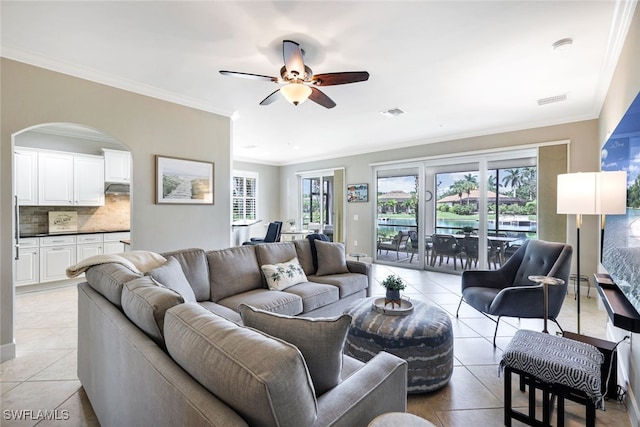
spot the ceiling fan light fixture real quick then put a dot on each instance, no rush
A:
(296, 93)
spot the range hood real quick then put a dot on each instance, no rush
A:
(117, 189)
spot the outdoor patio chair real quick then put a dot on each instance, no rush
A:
(398, 243)
(446, 245)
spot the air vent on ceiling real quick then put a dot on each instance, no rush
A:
(393, 112)
(552, 99)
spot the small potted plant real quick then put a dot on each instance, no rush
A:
(292, 224)
(394, 284)
(467, 230)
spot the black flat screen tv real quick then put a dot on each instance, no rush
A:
(621, 241)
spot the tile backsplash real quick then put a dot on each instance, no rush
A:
(114, 215)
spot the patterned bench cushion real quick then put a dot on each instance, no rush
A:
(556, 360)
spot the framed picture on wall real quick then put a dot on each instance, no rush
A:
(358, 193)
(183, 181)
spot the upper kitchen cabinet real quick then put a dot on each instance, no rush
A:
(26, 179)
(117, 166)
(67, 179)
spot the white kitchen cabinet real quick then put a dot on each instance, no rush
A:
(117, 166)
(113, 244)
(89, 245)
(66, 179)
(26, 176)
(27, 266)
(88, 180)
(56, 254)
(55, 178)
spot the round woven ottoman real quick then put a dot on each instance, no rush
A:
(423, 338)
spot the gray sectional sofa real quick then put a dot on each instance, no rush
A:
(169, 347)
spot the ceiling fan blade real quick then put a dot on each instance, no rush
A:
(275, 95)
(248, 76)
(293, 57)
(331, 79)
(320, 98)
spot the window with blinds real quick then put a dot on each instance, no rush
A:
(245, 195)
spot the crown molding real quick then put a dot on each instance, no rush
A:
(52, 64)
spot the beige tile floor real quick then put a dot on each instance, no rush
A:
(43, 375)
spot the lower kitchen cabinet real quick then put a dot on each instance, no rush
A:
(89, 245)
(27, 266)
(113, 244)
(46, 259)
(56, 254)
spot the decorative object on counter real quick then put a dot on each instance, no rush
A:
(358, 193)
(394, 284)
(183, 181)
(61, 221)
(292, 224)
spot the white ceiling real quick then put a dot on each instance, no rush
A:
(457, 68)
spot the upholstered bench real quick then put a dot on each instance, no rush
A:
(423, 338)
(558, 366)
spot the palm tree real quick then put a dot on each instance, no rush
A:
(470, 183)
(492, 183)
(513, 179)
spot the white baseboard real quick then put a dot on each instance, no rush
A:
(7, 351)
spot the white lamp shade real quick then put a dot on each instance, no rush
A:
(592, 193)
(296, 93)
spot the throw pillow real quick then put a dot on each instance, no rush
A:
(331, 258)
(145, 303)
(170, 274)
(320, 340)
(314, 255)
(283, 275)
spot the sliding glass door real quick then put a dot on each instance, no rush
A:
(398, 216)
(473, 213)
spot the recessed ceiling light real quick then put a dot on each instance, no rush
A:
(562, 44)
(393, 112)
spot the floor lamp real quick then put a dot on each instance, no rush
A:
(590, 193)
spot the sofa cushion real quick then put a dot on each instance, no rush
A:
(331, 258)
(108, 279)
(312, 241)
(305, 256)
(348, 283)
(264, 379)
(275, 253)
(233, 271)
(170, 274)
(145, 302)
(274, 301)
(195, 268)
(315, 295)
(321, 341)
(283, 275)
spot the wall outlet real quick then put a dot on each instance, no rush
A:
(355, 217)
(355, 243)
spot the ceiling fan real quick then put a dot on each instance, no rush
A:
(299, 82)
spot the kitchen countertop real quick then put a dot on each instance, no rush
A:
(70, 233)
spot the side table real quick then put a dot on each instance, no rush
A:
(357, 255)
(546, 281)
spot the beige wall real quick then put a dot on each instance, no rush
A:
(147, 126)
(583, 151)
(625, 86)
